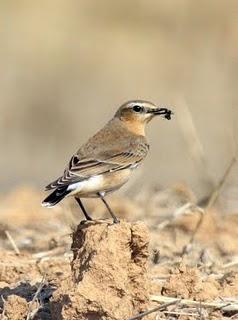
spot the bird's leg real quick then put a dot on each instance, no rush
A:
(83, 209)
(115, 220)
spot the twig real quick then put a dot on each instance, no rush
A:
(235, 316)
(198, 225)
(193, 140)
(50, 253)
(226, 306)
(214, 196)
(178, 313)
(230, 264)
(31, 314)
(185, 209)
(4, 310)
(159, 308)
(212, 200)
(13, 243)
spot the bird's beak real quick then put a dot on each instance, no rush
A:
(166, 113)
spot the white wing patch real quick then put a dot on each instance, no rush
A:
(86, 186)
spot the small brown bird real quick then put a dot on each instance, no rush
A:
(106, 161)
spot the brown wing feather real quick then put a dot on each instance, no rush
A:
(79, 170)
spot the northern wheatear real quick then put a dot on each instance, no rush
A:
(106, 161)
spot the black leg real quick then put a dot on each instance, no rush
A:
(83, 209)
(115, 220)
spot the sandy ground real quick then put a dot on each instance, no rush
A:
(199, 268)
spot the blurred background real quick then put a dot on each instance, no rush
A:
(67, 65)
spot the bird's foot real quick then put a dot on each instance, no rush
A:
(115, 220)
(82, 222)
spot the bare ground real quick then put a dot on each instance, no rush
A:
(200, 269)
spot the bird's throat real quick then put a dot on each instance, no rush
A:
(135, 127)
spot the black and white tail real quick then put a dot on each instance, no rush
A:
(55, 197)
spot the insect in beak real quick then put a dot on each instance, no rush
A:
(164, 112)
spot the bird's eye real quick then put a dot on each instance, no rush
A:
(138, 108)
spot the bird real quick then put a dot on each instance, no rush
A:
(106, 161)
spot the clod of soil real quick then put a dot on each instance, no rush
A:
(15, 308)
(109, 273)
(187, 283)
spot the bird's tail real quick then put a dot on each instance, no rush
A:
(55, 197)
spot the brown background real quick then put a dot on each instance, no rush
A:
(67, 65)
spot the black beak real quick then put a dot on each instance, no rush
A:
(166, 113)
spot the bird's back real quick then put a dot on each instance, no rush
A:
(113, 138)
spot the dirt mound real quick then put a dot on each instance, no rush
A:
(109, 270)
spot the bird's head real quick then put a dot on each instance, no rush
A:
(135, 114)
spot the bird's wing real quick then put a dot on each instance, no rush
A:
(81, 169)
